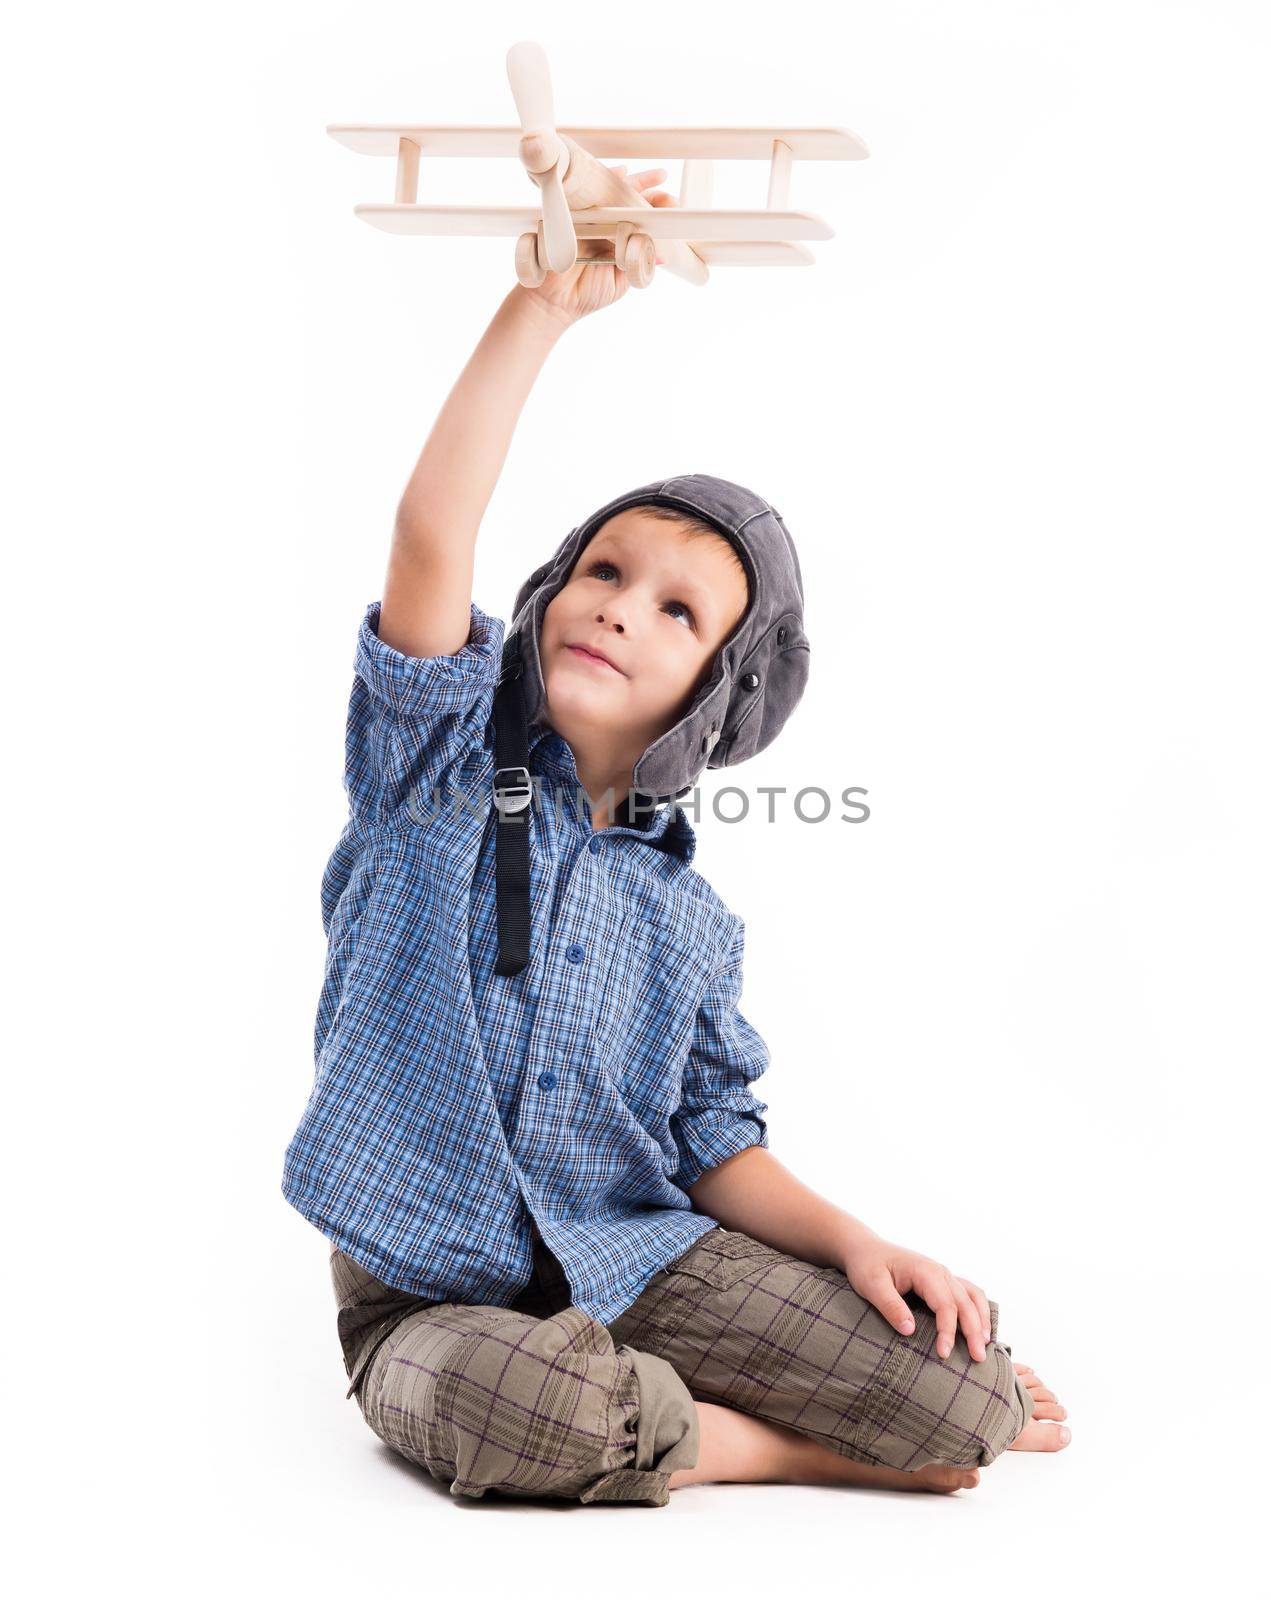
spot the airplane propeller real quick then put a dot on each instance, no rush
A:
(543, 153)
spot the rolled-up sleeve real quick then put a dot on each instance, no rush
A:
(718, 1115)
(412, 718)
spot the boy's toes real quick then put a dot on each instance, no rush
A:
(1039, 1436)
(1050, 1409)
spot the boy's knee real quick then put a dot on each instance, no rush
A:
(526, 1407)
(956, 1411)
(493, 1399)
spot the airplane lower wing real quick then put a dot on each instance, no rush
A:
(599, 222)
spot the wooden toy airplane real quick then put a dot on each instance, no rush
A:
(583, 199)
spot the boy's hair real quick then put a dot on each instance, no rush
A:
(694, 528)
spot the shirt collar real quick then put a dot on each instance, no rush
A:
(668, 828)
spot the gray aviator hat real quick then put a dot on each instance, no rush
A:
(759, 672)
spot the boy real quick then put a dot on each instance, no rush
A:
(566, 1262)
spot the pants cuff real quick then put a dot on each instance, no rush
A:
(1024, 1393)
(1026, 1400)
(668, 1436)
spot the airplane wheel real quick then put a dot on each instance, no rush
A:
(639, 259)
(529, 269)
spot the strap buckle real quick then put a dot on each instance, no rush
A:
(513, 795)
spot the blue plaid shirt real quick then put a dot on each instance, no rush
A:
(450, 1105)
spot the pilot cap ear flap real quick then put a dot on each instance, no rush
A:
(770, 683)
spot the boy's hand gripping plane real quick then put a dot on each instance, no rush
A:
(582, 199)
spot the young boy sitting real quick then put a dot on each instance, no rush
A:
(565, 1260)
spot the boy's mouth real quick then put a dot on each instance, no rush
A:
(585, 654)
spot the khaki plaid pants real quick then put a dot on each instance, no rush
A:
(538, 1398)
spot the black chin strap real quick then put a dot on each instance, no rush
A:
(513, 804)
(513, 797)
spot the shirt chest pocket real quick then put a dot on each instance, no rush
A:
(646, 1007)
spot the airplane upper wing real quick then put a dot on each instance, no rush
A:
(608, 144)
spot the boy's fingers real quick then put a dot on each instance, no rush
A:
(938, 1294)
(981, 1301)
(882, 1294)
(969, 1317)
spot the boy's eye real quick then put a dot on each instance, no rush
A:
(597, 567)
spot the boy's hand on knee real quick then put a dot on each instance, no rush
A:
(882, 1272)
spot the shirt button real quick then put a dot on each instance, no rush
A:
(574, 953)
(546, 1079)
(594, 846)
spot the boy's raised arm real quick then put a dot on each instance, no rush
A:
(428, 588)
(426, 608)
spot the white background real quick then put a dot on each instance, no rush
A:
(1016, 420)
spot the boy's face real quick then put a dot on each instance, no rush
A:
(658, 604)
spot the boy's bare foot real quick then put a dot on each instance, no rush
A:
(1036, 1435)
(738, 1448)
